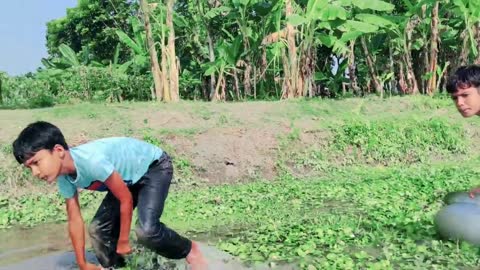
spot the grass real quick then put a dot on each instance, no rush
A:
(360, 195)
(354, 218)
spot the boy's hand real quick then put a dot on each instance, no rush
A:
(123, 248)
(473, 191)
(89, 266)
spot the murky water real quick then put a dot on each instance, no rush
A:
(19, 244)
(48, 247)
(41, 247)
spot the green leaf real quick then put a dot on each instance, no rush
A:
(361, 26)
(350, 35)
(314, 8)
(345, 3)
(117, 53)
(124, 67)
(211, 70)
(69, 55)
(376, 5)
(124, 38)
(214, 12)
(374, 19)
(296, 19)
(417, 44)
(327, 40)
(324, 25)
(96, 64)
(140, 60)
(138, 32)
(340, 48)
(47, 63)
(332, 12)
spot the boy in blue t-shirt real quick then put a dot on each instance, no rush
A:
(134, 174)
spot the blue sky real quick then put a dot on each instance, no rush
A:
(23, 26)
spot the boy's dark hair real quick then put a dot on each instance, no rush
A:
(464, 77)
(35, 137)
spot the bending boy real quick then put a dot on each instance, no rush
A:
(132, 172)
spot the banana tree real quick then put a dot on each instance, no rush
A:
(69, 59)
(328, 23)
(225, 64)
(469, 12)
(250, 20)
(139, 61)
(158, 75)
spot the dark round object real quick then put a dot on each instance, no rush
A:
(459, 221)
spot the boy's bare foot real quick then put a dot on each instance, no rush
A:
(195, 258)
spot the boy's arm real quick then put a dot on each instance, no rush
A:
(120, 190)
(76, 230)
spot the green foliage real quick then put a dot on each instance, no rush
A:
(37, 209)
(26, 92)
(91, 27)
(351, 219)
(392, 141)
(183, 169)
(347, 217)
(75, 83)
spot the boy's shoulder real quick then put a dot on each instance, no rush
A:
(109, 141)
(111, 145)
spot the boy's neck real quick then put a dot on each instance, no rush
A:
(68, 165)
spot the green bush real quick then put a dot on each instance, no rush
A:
(393, 141)
(51, 86)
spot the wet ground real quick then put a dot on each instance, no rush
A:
(48, 248)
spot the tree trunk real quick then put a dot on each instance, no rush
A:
(211, 55)
(393, 82)
(290, 63)
(432, 82)
(220, 82)
(442, 75)
(247, 85)
(371, 68)
(236, 83)
(172, 57)
(424, 86)
(156, 72)
(352, 74)
(477, 38)
(465, 48)
(164, 63)
(401, 78)
(411, 78)
(211, 51)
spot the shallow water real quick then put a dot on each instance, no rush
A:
(19, 244)
(48, 247)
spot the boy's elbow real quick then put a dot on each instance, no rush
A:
(127, 199)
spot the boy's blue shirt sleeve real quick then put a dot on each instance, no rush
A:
(97, 168)
(65, 187)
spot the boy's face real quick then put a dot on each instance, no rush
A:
(46, 164)
(467, 101)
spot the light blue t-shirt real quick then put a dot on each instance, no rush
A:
(95, 161)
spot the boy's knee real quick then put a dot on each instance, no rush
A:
(146, 233)
(163, 241)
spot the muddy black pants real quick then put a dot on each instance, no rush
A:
(149, 195)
